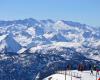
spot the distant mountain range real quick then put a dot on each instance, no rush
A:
(48, 42)
(21, 35)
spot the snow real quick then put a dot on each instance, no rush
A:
(2, 37)
(22, 50)
(23, 40)
(2, 57)
(97, 43)
(67, 44)
(31, 31)
(85, 75)
(61, 77)
(59, 25)
(32, 50)
(56, 45)
(95, 57)
(47, 35)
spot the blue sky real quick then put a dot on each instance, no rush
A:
(84, 11)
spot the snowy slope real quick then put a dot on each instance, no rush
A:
(85, 75)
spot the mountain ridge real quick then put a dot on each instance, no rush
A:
(30, 33)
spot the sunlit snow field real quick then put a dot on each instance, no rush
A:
(85, 75)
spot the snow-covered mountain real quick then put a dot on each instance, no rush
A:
(30, 33)
(45, 43)
(9, 44)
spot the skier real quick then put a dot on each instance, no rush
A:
(68, 67)
(91, 70)
(80, 67)
(97, 70)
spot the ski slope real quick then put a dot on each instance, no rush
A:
(85, 75)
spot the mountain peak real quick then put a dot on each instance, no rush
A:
(11, 44)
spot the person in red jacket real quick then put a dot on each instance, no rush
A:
(97, 72)
(99, 79)
(98, 69)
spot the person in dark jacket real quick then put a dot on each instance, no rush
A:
(69, 67)
(80, 67)
(91, 70)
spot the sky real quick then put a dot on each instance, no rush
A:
(84, 11)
